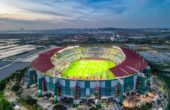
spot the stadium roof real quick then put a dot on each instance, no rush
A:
(132, 64)
(43, 62)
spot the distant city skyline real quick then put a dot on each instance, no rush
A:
(56, 14)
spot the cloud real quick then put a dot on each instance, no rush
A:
(84, 13)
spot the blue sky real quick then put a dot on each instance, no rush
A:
(53, 14)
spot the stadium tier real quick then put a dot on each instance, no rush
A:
(93, 73)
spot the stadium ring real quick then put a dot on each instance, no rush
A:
(131, 73)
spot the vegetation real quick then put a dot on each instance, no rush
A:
(16, 87)
(4, 104)
(18, 75)
(93, 108)
(147, 106)
(156, 71)
(59, 107)
(29, 103)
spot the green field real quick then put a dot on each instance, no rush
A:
(89, 69)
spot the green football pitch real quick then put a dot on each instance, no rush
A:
(89, 69)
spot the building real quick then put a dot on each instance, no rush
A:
(130, 73)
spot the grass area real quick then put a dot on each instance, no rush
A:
(166, 79)
(89, 69)
(4, 104)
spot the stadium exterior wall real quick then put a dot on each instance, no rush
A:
(86, 89)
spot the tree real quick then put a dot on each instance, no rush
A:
(59, 107)
(93, 108)
(16, 87)
(29, 100)
(5, 105)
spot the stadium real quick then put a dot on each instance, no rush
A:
(90, 73)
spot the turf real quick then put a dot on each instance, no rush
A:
(93, 69)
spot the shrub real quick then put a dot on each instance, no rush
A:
(59, 107)
(16, 87)
(5, 105)
(29, 100)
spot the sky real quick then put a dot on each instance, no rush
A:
(55, 14)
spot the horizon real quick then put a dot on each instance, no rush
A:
(15, 30)
(75, 14)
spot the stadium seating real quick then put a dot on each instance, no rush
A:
(62, 59)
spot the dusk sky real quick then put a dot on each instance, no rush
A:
(54, 14)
